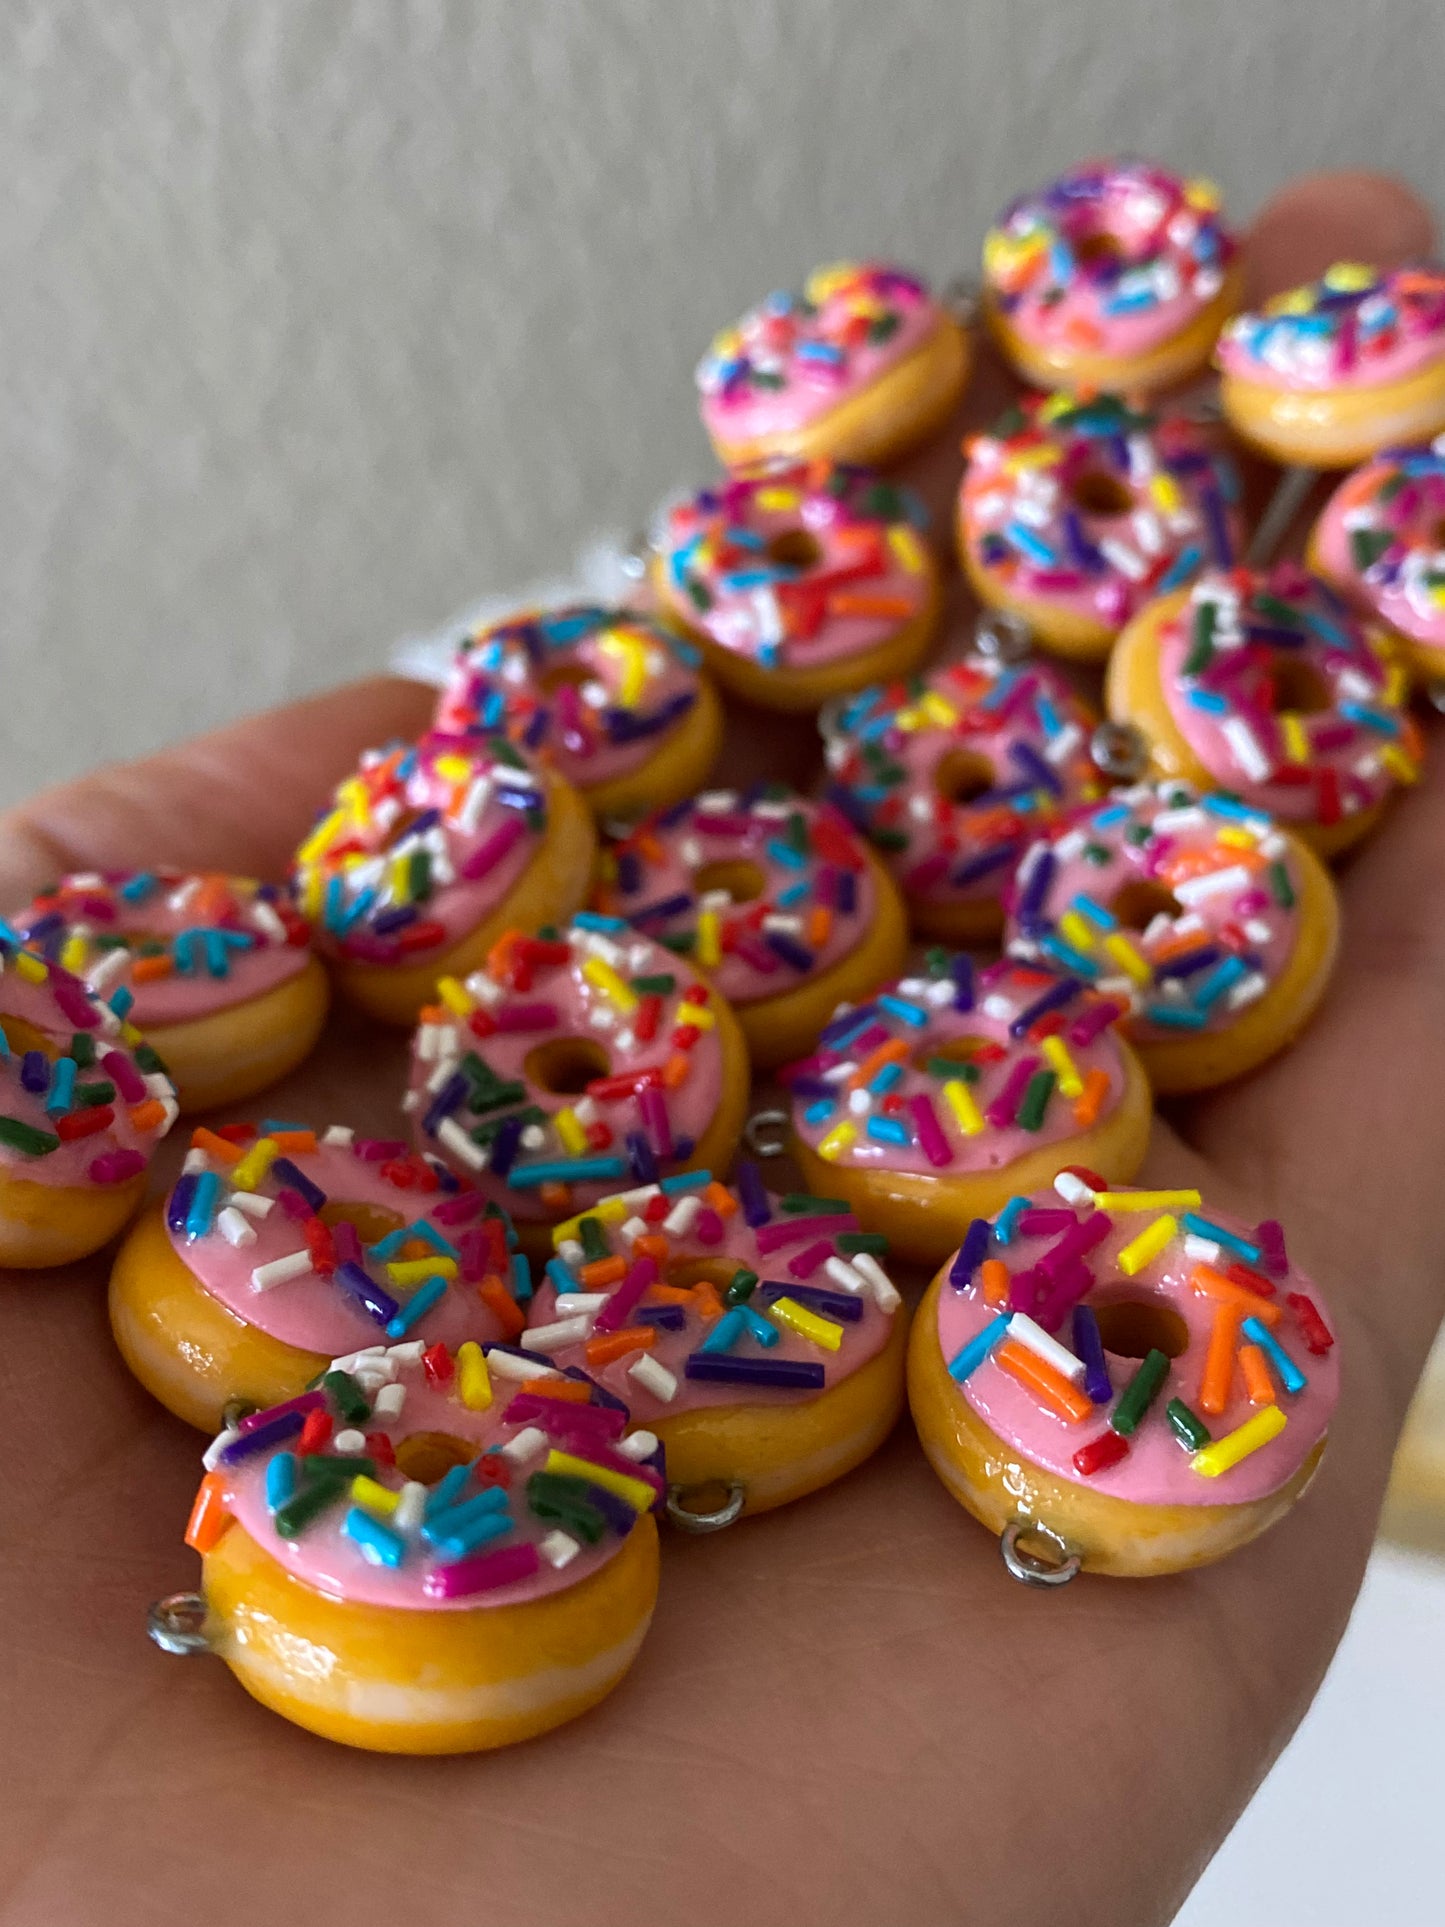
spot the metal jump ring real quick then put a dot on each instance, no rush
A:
(960, 297)
(177, 1624)
(686, 1520)
(765, 1121)
(1002, 636)
(636, 556)
(1027, 1567)
(1120, 751)
(1435, 693)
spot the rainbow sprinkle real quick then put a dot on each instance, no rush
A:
(1354, 325)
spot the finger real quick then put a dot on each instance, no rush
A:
(1335, 217)
(238, 799)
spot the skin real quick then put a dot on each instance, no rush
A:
(824, 1688)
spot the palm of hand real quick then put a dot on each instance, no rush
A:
(843, 1712)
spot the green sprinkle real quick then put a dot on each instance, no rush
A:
(347, 1395)
(1138, 834)
(87, 1094)
(937, 961)
(1096, 853)
(484, 1133)
(292, 1519)
(1139, 1394)
(418, 875)
(954, 1067)
(804, 1205)
(1367, 546)
(1036, 1100)
(849, 1242)
(682, 941)
(1187, 1426)
(1280, 887)
(559, 1496)
(661, 985)
(149, 1060)
(25, 1137)
(594, 1239)
(890, 839)
(1201, 653)
(82, 1049)
(741, 1286)
(338, 1465)
(503, 752)
(697, 593)
(883, 327)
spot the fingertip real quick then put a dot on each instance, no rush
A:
(1320, 218)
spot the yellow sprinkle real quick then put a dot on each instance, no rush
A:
(827, 280)
(320, 837)
(1167, 493)
(698, 1014)
(837, 1141)
(1147, 1246)
(313, 896)
(1127, 957)
(1077, 931)
(254, 1166)
(959, 1099)
(372, 1497)
(574, 1138)
(130, 1035)
(709, 948)
(907, 549)
(456, 769)
(599, 972)
(1056, 405)
(807, 1324)
(778, 501)
(474, 1381)
(415, 1271)
(636, 1492)
(1296, 743)
(1236, 837)
(401, 879)
(1057, 1053)
(1399, 764)
(73, 953)
(457, 998)
(1397, 686)
(1221, 1454)
(1039, 457)
(1147, 1200)
(31, 968)
(1348, 277)
(628, 651)
(1203, 193)
(608, 1210)
(938, 709)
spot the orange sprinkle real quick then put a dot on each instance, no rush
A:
(632, 1338)
(603, 1271)
(857, 602)
(212, 900)
(434, 1014)
(215, 1146)
(820, 923)
(660, 1294)
(1412, 739)
(1218, 1370)
(721, 1200)
(1051, 1388)
(996, 1278)
(303, 1141)
(705, 1298)
(875, 1060)
(675, 1070)
(499, 957)
(570, 1390)
(145, 970)
(502, 1305)
(209, 1517)
(148, 1116)
(646, 841)
(1096, 1089)
(652, 1244)
(556, 1197)
(1215, 1285)
(1257, 1381)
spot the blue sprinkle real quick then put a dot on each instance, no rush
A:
(1290, 1375)
(376, 1543)
(967, 1361)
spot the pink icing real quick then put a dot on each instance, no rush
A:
(795, 358)
(236, 943)
(895, 753)
(1229, 710)
(905, 1123)
(1093, 507)
(1115, 258)
(1354, 328)
(790, 1249)
(1157, 1469)
(796, 564)
(522, 675)
(752, 948)
(1379, 541)
(324, 1557)
(59, 1008)
(1232, 931)
(312, 1311)
(540, 994)
(459, 807)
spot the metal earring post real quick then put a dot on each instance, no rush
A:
(1290, 494)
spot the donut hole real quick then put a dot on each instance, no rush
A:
(732, 877)
(683, 1273)
(957, 1050)
(568, 674)
(795, 549)
(1099, 494)
(370, 1222)
(1100, 250)
(565, 1066)
(963, 775)
(1138, 903)
(1299, 687)
(427, 1457)
(1134, 1327)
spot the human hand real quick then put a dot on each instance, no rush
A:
(844, 1712)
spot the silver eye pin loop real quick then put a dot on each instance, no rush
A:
(1119, 751)
(1032, 1568)
(771, 1122)
(687, 1519)
(177, 1624)
(1003, 637)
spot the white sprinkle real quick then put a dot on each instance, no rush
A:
(1048, 1348)
(235, 1227)
(679, 1220)
(267, 922)
(253, 1204)
(1203, 1250)
(211, 1457)
(843, 1274)
(1247, 750)
(571, 1253)
(885, 1293)
(1192, 890)
(554, 1337)
(341, 1134)
(629, 1231)
(453, 1138)
(107, 967)
(558, 1550)
(389, 1401)
(408, 1352)
(350, 1441)
(195, 1161)
(1073, 1189)
(654, 1377)
(295, 1264)
(524, 1445)
(410, 1508)
(638, 1445)
(571, 1304)
(505, 1364)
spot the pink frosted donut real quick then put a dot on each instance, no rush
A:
(429, 851)
(1216, 928)
(773, 896)
(84, 1101)
(1147, 1381)
(1073, 514)
(1266, 686)
(929, 1104)
(861, 365)
(1381, 542)
(799, 580)
(570, 1063)
(951, 777)
(1117, 275)
(757, 1336)
(611, 699)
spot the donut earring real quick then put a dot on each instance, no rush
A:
(1377, 542)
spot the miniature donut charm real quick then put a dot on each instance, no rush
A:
(84, 1101)
(276, 1251)
(774, 898)
(1266, 686)
(861, 366)
(758, 1337)
(605, 696)
(219, 968)
(1329, 373)
(1145, 1383)
(1073, 514)
(430, 1551)
(427, 854)
(1118, 276)
(953, 775)
(571, 1063)
(1216, 927)
(1380, 541)
(799, 582)
(943, 1095)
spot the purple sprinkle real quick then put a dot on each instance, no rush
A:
(784, 1373)
(971, 1254)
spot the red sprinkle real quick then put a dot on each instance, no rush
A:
(1099, 1454)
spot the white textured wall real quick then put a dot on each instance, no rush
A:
(318, 319)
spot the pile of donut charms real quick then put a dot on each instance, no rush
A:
(790, 966)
